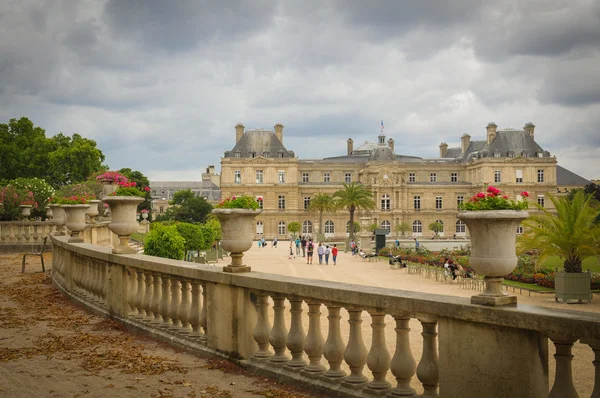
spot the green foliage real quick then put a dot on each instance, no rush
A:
(294, 227)
(436, 227)
(372, 227)
(130, 189)
(166, 242)
(239, 202)
(356, 227)
(188, 207)
(353, 197)
(403, 228)
(26, 152)
(321, 203)
(212, 230)
(11, 198)
(42, 192)
(141, 181)
(493, 200)
(569, 233)
(193, 235)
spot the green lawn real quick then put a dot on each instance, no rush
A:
(590, 263)
(528, 286)
(139, 237)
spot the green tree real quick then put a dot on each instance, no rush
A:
(403, 228)
(193, 235)
(11, 198)
(189, 208)
(164, 241)
(372, 227)
(321, 203)
(353, 197)
(294, 227)
(142, 181)
(74, 159)
(436, 227)
(570, 233)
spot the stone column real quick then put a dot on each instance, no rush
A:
(428, 370)
(263, 328)
(195, 310)
(333, 350)
(355, 354)
(175, 303)
(296, 336)
(313, 344)
(157, 300)
(183, 312)
(595, 346)
(203, 320)
(403, 363)
(279, 331)
(165, 303)
(378, 359)
(563, 382)
(148, 299)
(141, 294)
(132, 277)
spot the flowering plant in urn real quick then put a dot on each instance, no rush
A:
(236, 216)
(129, 189)
(492, 219)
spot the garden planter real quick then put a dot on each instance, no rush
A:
(573, 286)
(123, 220)
(48, 213)
(108, 187)
(145, 216)
(93, 210)
(75, 221)
(493, 250)
(59, 218)
(236, 235)
(26, 210)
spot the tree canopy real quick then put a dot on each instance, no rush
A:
(188, 207)
(321, 203)
(353, 197)
(26, 152)
(142, 181)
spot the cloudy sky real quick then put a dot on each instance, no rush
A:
(160, 85)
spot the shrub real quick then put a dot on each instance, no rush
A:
(193, 235)
(165, 241)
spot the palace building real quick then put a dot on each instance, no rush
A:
(406, 189)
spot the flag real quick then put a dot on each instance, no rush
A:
(382, 126)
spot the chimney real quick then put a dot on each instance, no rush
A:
(491, 132)
(391, 144)
(239, 132)
(443, 149)
(279, 132)
(350, 146)
(465, 141)
(211, 169)
(529, 127)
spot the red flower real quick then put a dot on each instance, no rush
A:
(505, 197)
(147, 189)
(480, 195)
(525, 194)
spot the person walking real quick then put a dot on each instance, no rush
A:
(334, 253)
(320, 252)
(297, 246)
(274, 242)
(327, 253)
(417, 244)
(309, 252)
(303, 245)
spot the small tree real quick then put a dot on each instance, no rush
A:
(436, 227)
(194, 238)
(402, 228)
(294, 227)
(165, 242)
(321, 203)
(373, 227)
(353, 197)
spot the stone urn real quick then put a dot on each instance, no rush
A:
(93, 210)
(144, 215)
(236, 235)
(493, 250)
(26, 210)
(75, 220)
(59, 218)
(108, 187)
(123, 220)
(48, 213)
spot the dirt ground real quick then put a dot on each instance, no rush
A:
(49, 347)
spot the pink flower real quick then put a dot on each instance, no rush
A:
(147, 189)
(480, 195)
(505, 197)
(106, 205)
(525, 194)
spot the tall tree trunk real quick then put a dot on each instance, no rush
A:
(572, 265)
(351, 229)
(321, 222)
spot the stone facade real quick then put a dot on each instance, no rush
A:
(406, 189)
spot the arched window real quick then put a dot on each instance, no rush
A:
(306, 228)
(442, 224)
(386, 225)
(417, 227)
(281, 228)
(385, 202)
(260, 227)
(329, 227)
(461, 227)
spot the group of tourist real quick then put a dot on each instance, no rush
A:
(451, 268)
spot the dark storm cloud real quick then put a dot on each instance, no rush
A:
(573, 84)
(182, 25)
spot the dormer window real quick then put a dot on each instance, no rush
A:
(252, 154)
(266, 154)
(236, 154)
(497, 154)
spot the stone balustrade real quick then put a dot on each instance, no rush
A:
(275, 325)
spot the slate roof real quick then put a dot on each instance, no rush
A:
(568, 178)
(518, 142)
(206, 188)
(258, 142)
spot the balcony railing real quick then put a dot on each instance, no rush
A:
(464, 350)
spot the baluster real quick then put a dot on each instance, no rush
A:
(149, 295)
(595, 346)
(262, 329)
(132, 279)
(141, 294)
(428, 370)
(104, 282)
(378, 359)
(403, 363)
(93, 281)
(203, 317)
(279, 331)
(195, 310)
(36, 234)
(157, 299)
(313, 344)
(96, 282)
(355, 354)
(165, 303)
(295, 338)
(563, 381)
(333, 350)
(12, 233)
(183, 313)
(175, 303)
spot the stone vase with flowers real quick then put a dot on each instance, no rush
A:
(493, 219)
(75, 208)
(123, 207)
(236, 215)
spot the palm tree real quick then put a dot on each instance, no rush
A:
(569, 234)
(320, 203)
(354, 196)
